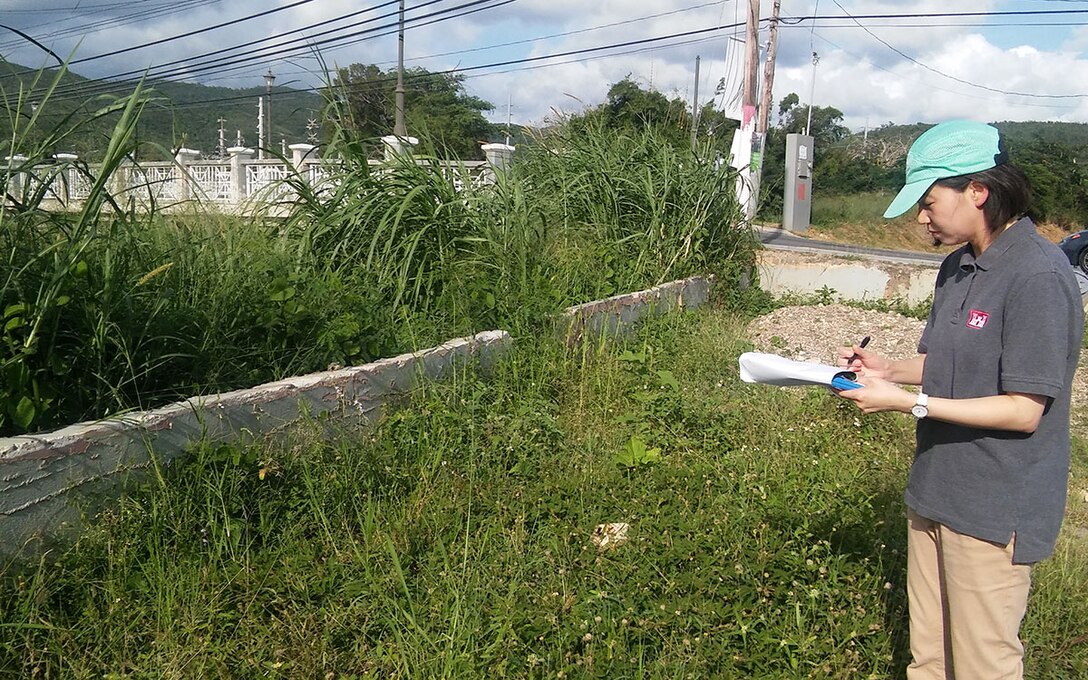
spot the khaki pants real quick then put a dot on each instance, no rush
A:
(967, 600)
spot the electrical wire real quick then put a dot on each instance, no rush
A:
(643, 44)
(969, 95)
(269, 53)
(951, 77)
(165, 9)
(198, 31)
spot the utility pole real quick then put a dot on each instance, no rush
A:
(747, 151)
(760, 139)
(398, 124)
(768, 72)
(222, 150)
(751, 60)
(695, 106)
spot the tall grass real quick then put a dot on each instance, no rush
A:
(47, 277)
(123, 306)
(456, 540)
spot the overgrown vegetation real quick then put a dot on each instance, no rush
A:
(766, 538)
(765, 526)
(121, 306)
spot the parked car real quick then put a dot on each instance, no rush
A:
(1075, 247)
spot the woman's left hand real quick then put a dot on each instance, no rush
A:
(879, 395)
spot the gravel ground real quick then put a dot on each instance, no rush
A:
(813, 332)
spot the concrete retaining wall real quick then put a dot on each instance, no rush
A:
(617, 313)
(46, 479)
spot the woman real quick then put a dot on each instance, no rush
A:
(987, 488)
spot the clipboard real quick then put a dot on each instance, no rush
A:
(771, 369)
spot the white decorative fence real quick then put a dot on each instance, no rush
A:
(229, 183)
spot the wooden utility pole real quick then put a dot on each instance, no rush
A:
(751, 60)
(768, 73)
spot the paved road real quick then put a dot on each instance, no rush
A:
(784, 240)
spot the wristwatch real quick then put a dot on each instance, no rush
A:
(921, 407)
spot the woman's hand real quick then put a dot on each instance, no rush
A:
(863, 362)
(879, 395)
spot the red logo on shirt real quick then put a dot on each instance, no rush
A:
(978, 319)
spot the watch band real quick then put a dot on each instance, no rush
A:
(921, 407)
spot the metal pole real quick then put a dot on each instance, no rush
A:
(815, 60)
(509, 107)
(268, 80)
(260, 128)
(812, 93)
(695, 106)
(398, 124)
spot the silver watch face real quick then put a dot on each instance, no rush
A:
(919, 411)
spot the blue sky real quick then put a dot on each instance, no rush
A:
(893, 70)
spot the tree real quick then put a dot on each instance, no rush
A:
(437, 106)
(827, 127)
(365, 98)
(628, 105)
(631, 108)
(437, 109)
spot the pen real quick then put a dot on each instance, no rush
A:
(862, 344)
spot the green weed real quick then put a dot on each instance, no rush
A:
(456, 539)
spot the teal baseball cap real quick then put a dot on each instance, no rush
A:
(958, 147)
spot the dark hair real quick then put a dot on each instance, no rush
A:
(1010, 192)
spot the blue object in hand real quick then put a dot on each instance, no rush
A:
(842, 382)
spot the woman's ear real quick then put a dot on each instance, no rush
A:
(979, 193)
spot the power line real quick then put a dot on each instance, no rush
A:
(580, 53)
(270, 53)
(944, 15)
(130, 17)
(198, 31)
(565, 34)
(935, 87)
(643, 44)
(191, 69)
(951, 77)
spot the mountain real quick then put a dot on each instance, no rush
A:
(180, 114)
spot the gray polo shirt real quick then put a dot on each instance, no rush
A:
(1008, 321)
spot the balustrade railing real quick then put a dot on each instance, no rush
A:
(232, 182)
